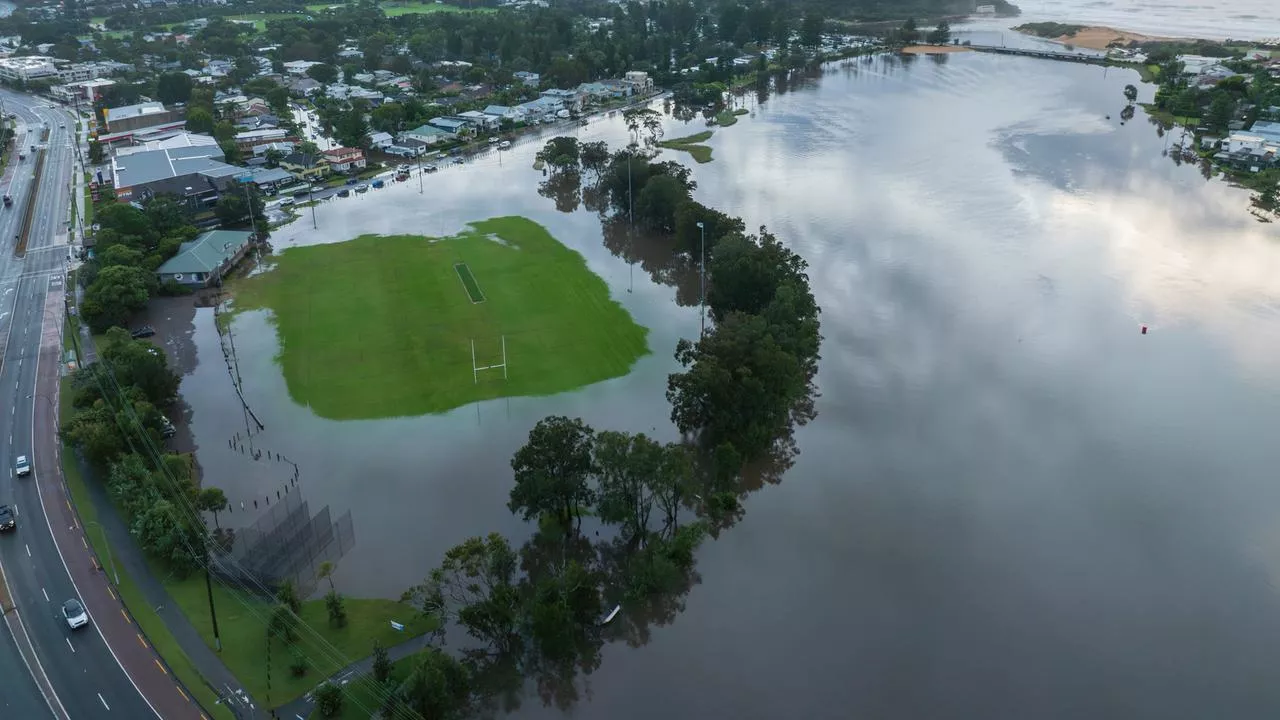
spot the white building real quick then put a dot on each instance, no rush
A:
(84, 91)
(299, 67)
(26, 69)
(1199, 64)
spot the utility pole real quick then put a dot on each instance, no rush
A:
(208, 583)
(702, 279)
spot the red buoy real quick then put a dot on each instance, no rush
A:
(1144, 329)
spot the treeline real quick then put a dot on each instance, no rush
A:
(117, 424)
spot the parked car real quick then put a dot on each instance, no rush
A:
(430, 169)
(8, 520)
(75, 614)
(352, 180)
(459, 161)
(302, 194)
(22, 466)
(362, 188)
(378, 184)
(344, 193)
(145, 331)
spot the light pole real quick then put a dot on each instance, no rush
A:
(702, 279)
(107, 545)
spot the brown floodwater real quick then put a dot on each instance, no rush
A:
(1011, 503)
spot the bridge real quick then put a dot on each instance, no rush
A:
(1043, 54)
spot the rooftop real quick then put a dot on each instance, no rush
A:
(206, 253)
(131, 111)
(152, 165)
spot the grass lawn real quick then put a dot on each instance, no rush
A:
(725, 118)
(396, 9)
(241, 622)
(382, 326)
(152, 626)
(692, 145)
(260, 19)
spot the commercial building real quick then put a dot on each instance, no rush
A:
(195, 174)
(28, 68)
(85, 91)
(136, 117)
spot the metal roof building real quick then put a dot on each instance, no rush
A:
(194, 173)
(204, 260)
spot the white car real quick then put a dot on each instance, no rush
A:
(75, 614)
(22, 466)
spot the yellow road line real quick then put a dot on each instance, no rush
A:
(157, 662)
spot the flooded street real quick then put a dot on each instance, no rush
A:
(1011, 503)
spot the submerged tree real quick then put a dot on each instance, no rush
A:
(552, 469)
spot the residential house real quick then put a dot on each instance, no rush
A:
(1269, 131)
(270, 180)
(247, 141)
(304, 87)
(380, 140)
(299, 67)
(478, 120)
(284, 148)
(204, 261)
(570, 100)
(428, 135)
(449, 124)
(305, 167)
(540, 109)
(530, 79)
(195, 173)
(345, 160)
(406, 147)
(504, 112)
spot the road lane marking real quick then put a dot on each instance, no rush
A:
(111, 592)
(82, 542)
(28, 547)
(125, 614)
(157, 662)
(143, 641)
(104, 702)
(45, 593)
(73, 647)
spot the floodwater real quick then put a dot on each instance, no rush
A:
(1214, 19)
(1011, 502)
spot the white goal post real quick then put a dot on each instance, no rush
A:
(475, 369)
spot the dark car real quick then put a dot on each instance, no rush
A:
(353, 180)
(7, 520)
(344, 192)
(145, 331)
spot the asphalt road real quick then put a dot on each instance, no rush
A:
(84, 673)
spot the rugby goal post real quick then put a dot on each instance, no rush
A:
(475, 369)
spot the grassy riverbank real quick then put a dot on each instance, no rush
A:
(691, 144)
(382, 326)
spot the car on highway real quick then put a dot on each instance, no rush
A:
(22, 466)
(7, 519)
(145, 331)
(75, 614)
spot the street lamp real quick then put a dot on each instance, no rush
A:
(107, 545)
(702, 279)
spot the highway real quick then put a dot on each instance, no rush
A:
(79, 673)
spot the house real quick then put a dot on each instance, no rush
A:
(284, 148)
(305, 167)
(504, 112)
(344, 160)
(479, 120)
(177, 140)
(250, 139)
(380, 140)
(406, 148)
(570, 100)
(530, 79)
(203, 261)
(428, 134)
(449, 124)
(141, 115)
(540, 109)
(304, 87)
(1268, 131)
(270, 180)
(195, 173)
(299, 67)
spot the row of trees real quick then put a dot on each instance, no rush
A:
(117, 425)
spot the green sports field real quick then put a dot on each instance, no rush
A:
(381, 326)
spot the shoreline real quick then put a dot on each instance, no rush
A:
(1101, 37)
